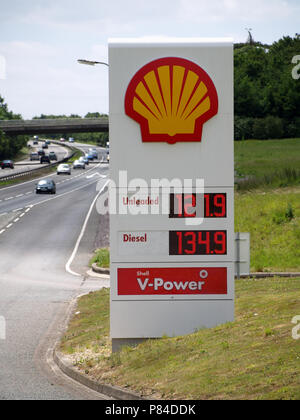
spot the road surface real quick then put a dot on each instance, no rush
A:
(38, 235)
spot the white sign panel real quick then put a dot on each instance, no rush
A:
(171, 166)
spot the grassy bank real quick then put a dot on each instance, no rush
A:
(273, 220)
(267, 163)
(254, 357)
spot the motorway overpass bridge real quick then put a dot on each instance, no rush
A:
(54, 126)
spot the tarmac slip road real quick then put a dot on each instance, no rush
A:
(36, 288)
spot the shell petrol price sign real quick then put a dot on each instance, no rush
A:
(171, 192)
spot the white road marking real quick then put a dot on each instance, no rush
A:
(68, 265)
(96, 174)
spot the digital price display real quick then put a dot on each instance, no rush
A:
(185, 205)
(200, 242)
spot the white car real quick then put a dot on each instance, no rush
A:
(64, 168)
(78, 164)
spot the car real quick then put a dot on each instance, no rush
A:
(47, 142)
(45, 159)
(71, 140)
(94, 153)
(84, 159)
(64, 168)
(89, 156)
(45, 146)
(35, 142)
(34, 156)
(45, 186)
(7, 164)
(62, 139)
(52, 156)
(41, 152)
(78, 164)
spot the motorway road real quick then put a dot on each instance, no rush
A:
(26, 164)
(38, 234)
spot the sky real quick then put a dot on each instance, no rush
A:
(41, 40)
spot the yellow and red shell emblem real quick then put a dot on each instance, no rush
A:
(171, 98)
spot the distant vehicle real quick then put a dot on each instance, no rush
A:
(45, 186)
(35, 142)
(35, 138)
(45, 159)
(48, 142)
(71, 139)
(89, 156)
(64, 168)
(78, 164)
(62, 139)
(41, 152)
(52, 156)
(84, 159)
(94, 152)
(45, 146)
(7, 164)
(34, 156)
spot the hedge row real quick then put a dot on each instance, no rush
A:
(269, 127)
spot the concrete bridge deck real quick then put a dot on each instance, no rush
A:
(54, 126)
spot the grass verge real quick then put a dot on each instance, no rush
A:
(273, 220)
(101, 258)
(267, 163)
(254, 357)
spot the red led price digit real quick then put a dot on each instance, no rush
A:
(220, 239)
(205, 241)
(191, 242)
(178, 208)
(189, 205)
(179, 235)
(220, 203)
(206, 205)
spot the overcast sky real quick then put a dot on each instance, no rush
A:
(41, 40)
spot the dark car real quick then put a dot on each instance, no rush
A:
(52, 156)
(41, 152)
(7, 164)
(45, 186)
(45, 159)
(45, 146)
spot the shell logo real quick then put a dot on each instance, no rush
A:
(171, 98)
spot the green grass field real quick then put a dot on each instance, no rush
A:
(267, 163)
(273, 220)
(254, 357)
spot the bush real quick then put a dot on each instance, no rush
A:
(270, 127)
(101, 258)
(273, 127)
(259, 129)
(243, 127)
